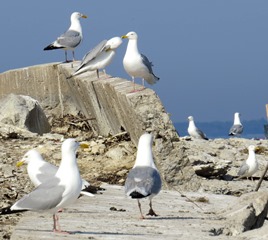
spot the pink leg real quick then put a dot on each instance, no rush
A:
(139, 205)
(56, 225)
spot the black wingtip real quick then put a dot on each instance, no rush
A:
(137, 195)
(51, 47)
(7, 210)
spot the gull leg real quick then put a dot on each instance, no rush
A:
(66, 60)
(139, 205)
(98, 73)
(151, 211)
(56, 225)
(133, 83)
(73, 56)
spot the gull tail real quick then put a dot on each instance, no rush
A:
(7, 210)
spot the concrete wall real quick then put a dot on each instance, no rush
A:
(107, 102)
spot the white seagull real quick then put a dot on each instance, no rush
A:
(136, 64)
(194, 131)
(250, 166)
(40, 171)
(237, 127)
(144, 180)
(99, 57)
(56, 193)
(71, 38)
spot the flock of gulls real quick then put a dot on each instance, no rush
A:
(58, 187)
(135, 64)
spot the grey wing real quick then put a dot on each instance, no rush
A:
(144, 180)
(45, 196)
(200, 133)
(236, 129)
(93, 53)
(147, 63)
(46, 172)
(70, 39)
(243, 169)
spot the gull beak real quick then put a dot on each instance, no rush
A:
(84, 16)
(84, 145)
(19, 163)
(124, 36)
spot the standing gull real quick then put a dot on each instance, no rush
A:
(71, 38)
(58, 192)
(250, 166)
(144, 180)
(136, 64)
(99, 57)
(40, 171)
(194, 131)
(237, 127)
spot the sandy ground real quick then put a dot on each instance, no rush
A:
(111, 215)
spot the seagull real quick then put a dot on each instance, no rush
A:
(250, 166)
(136, 64)
(99, 57)
(194, 131)
(40, 171)
(57, 192)
(237, 127)
(71, 38)
(144, 180)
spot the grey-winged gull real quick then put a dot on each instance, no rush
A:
(40, 171)
(250, 166)
(136, 64)
(99, 57)
(237, 127)
(71, 38)
(56, 193)
(144, 180)
(194, 131)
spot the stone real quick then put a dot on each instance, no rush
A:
(24, 112)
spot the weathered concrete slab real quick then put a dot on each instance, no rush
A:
(108, 103)
(92, 218)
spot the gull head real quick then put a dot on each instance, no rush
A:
(77, 15)
(113, 43)
(146, 140)
(190, 118)
(70, 145)
(29, 156)
(130, 35)
(237, 114)
(253, 148)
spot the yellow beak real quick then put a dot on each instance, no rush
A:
(84, 16)
(19, 163)
(84, 145)
(124, 36)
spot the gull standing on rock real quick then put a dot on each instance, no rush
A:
(136, 64)
(237, 127)
(40, 171)
(250, 166)
(99, 57)
(144, 180)
(56, 193)
(194, 131)
(71, 38)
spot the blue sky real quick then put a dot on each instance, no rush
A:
(211, 55)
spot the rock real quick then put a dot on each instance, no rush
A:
(248, 213)
(24, 112)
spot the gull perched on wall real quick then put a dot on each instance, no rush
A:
(136, 64)
(194, 131)
(237, 127)
(99, 57)
(71, 38)
(144, 180)
(250, 166)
